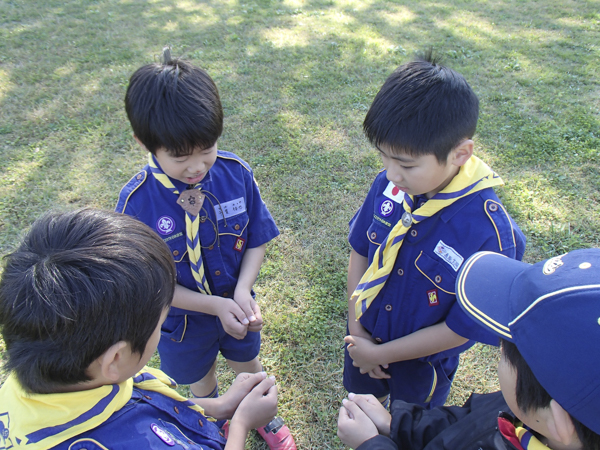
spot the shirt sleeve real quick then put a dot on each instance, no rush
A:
(261, 225)
(360, 223)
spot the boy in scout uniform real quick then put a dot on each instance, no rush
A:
(80, 321)
(430, 209)
(205, 204)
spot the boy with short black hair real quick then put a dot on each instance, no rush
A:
(82, 300)
(548, 318)
(431, 208)
(205, 204)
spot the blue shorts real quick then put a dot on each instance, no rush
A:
(189, 345)
(415, 381)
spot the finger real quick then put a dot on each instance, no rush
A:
(235, 329)
(264, 386)
(353, 409)
(380, 373)
(350, 340)
(257, 313)
(239, 313)
(343, 415)
(254, 327)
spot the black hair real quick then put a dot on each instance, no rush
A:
(423, 108)
(80, 282)
(531, 395)
(175, 106)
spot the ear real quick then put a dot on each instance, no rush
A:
(560, 425)
(462, 153)
(137, 139)
(110, 361)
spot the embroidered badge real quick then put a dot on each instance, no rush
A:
(163, 435)
(449, 255)
(191, 200)
(231, 208)
(393, 193)
(432, 296)
(165, 225)
(5, 441)
(239, 244)
(386, 208)
(552, 264)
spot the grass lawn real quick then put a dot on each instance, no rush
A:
(296, 78)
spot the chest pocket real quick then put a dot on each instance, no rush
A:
(376, 234)
(233, 238)
(178, 246)
(435, 271)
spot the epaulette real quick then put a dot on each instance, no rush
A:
(503, 226)
(126, 191)
(233, 157)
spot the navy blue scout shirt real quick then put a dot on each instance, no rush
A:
(233, 218)
(151, 420)
(420, 290)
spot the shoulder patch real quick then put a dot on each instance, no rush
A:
(503, 226)
(135, 182)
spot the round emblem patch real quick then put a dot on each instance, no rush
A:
(163, 435)
(165, 225)
(386, 208)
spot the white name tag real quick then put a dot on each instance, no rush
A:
(231, 208)
(449, 255)
(393, 193)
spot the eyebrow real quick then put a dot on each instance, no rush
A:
(396, 157)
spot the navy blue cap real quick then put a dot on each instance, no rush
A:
(551, 311)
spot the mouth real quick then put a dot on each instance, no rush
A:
(196, 179)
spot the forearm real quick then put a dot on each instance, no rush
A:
(185, 298)
(212, 407)
(357, 266)
(424, 342)
(237, 437)
(251, 262)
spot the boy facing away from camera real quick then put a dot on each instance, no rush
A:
(80, 319)
(205, 204)
(547, 316)
(430, 209)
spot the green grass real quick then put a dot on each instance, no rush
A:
(296, 78)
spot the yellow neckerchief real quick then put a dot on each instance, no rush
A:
(40, 421)
(474, 176)
(528, 440)
(192, 224)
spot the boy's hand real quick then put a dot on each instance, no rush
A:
(232, 317)
(250, 308)
(239, 389)
(375, 410)
(258, 407)
(354, 426)
(364, 354)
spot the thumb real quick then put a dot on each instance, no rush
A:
(350, 340)
(238, 312)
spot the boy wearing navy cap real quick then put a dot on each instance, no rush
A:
(205, 204)
(547, 317)
(80, 321)
(430, 209)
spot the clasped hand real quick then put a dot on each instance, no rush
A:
(365, 356)
(362, 417)
(239, 315)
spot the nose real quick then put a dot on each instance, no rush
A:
(393, 174)
(196, 164)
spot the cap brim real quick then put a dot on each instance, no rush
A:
(483, 290)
